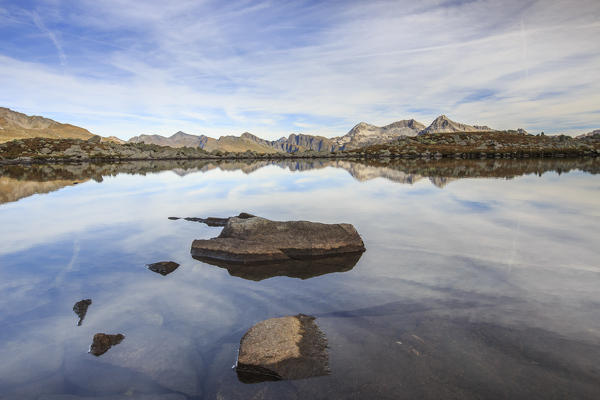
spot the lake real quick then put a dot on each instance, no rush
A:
(480, 279)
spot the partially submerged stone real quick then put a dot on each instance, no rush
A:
(291, 347)
(166, 356)
(259, 240)
(213, 221)
(102, 342)
(163, 267)
(80, 308)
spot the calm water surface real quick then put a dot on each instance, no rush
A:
(478, 287)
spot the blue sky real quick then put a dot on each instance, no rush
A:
(125, 68)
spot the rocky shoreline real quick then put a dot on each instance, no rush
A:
(467, 145)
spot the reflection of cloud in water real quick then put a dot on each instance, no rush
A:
(19, 181)
(432, 272)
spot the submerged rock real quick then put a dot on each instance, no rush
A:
(259, 240)
(291, 347)
(170, 358)
(80, 308)
(102, 342)
(301, 269)
(163, 267)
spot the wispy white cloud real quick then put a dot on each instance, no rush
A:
(37, 20)
(272, 69)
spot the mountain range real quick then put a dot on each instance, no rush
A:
(589, 134)
(361, 135)
(15, 125)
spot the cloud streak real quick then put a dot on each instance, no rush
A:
(272, 69)
(40, 24)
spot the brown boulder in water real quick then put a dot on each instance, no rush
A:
(291, 347)
(259, 240)
(102, 342)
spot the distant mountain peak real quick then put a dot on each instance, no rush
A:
(589, 134)
(361, 126)
(249, 135)
(406, 123)
(178, 139)
(443, 124)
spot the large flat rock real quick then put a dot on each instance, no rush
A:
(291, 347)
(256, 240)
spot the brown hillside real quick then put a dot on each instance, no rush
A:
(16, 125)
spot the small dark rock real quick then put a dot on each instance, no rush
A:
(163, 267)
(80, 308)
(102, 342)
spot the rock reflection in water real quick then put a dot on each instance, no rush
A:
(102, 342)
(80, 308)
(163, 267)
(302, 269)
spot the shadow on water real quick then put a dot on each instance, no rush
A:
(19, 181)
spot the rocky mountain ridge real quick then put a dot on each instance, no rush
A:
(443, 124)
(592, 134)
(180, 139)
(16, 125)
(361, 135)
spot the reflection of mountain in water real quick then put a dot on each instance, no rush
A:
(302, 269)
(19, 181)
(13, 189)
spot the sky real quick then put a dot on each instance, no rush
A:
(124, 68)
